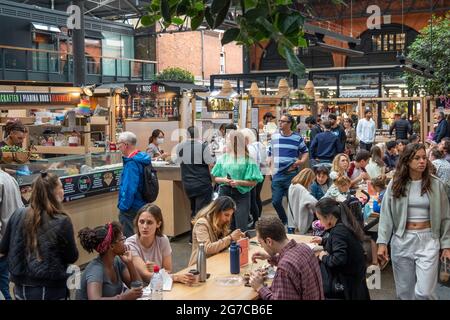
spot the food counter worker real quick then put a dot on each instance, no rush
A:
(155, 140)
(15, 133)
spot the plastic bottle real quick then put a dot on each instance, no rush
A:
(201, 262)
(156, 284)
(234, 258)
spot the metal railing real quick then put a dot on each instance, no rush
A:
(18, 63)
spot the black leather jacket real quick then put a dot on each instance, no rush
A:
(57, 249)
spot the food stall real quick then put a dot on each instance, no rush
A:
(51, 117)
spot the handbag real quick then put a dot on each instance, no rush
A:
(444, 272)
(333, 287)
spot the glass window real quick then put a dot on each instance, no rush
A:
(400, 41)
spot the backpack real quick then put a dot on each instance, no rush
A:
(151, 185)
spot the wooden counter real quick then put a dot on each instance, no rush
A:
(219, 266)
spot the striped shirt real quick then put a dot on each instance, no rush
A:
(285, 150)
(297, 277)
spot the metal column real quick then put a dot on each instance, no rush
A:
(79, 61)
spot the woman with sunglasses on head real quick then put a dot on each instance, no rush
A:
(149, 246)
(39, 243)
(415, 218)
(105, 275)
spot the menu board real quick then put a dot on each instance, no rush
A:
(83, 186)
(88, 185)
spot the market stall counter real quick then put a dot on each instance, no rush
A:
(91, 183)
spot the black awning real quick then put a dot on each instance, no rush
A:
(93, 34)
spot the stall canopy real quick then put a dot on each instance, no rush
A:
(171, 86)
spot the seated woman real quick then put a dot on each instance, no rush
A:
(342, 263)
(301, 202)
(150, 246)
(154, 142)
(340, 166)
(339, 190)
(376, 166)
(322, 183)
(211, 226)
(104, 276)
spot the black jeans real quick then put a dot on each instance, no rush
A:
(24, 292)
(365, 146)
(241, 216)
(254, 210)
(199, 202)
(258, 188)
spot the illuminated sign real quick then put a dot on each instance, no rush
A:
(39, 98)
(219, 105)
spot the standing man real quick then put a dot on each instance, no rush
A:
(338, 131)
(442, 130)
(402, 128)
(325, 146)
(365, 131)
(10, 200)
(131, 181)
(298, 274)
(195, 160)
(287, 152)
(314, 129)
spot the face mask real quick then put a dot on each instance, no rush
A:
(160, 140)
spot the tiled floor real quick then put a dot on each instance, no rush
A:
(182, 251)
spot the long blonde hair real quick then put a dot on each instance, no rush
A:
(305, 177)
(211, 213)
(335, 165)
(237, 145)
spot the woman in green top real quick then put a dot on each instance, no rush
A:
(237, 174)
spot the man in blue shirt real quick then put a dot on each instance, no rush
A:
(131, 181)
(287, 152)
(325, 146)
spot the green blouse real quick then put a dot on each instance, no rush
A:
(238, 169)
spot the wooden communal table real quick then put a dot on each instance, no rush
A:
(219, 266)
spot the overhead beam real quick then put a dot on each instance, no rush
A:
(310, 28)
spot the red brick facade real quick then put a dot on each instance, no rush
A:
(184, 50)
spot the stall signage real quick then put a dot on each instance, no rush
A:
(88, 185)
(271, 101)
(39, 98)
(219, 105)
(154, 88)
(83, 186)
(358, 93)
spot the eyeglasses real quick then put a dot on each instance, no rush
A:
(284, 121)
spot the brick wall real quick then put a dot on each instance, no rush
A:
(184, 50)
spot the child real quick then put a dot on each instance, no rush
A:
(340, 188)
(379, 185)
(322, 183)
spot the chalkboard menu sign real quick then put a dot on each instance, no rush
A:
(83, 186)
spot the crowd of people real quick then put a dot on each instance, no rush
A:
(317, 176)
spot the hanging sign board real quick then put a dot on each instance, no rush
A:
(270, 101)
(39, 98)
(359, 93)
(219, 105)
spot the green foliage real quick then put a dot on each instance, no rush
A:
(175, 74)
(257, 20)
(432, 49)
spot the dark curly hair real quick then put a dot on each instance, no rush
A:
(401, 177)
(14, 125)
(91, 238)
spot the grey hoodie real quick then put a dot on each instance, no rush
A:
(10, 199)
